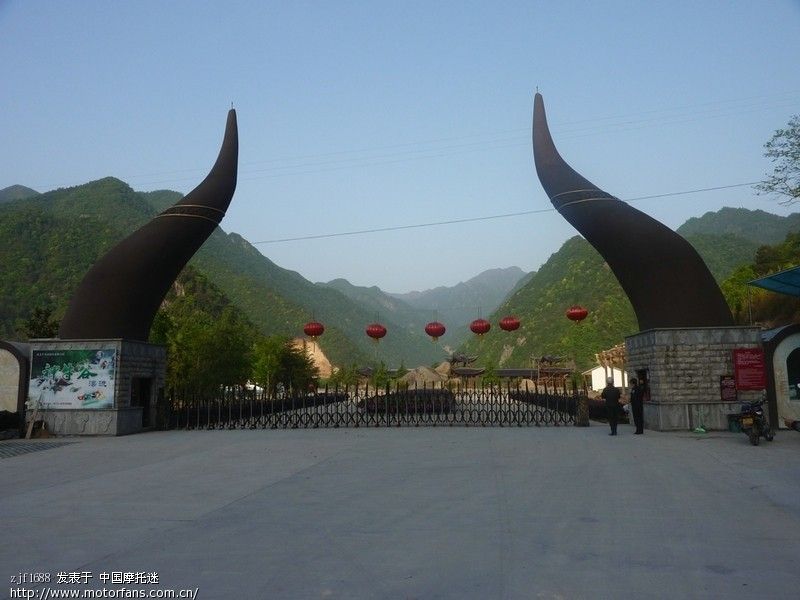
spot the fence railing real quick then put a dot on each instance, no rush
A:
(364, 407)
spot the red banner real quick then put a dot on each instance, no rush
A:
(749, 369)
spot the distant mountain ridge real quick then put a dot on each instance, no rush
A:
(48, 242)
(455, 306)
(757, 226)
(16, 192)
(460, 304)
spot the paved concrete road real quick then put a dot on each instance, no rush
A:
(414, 513)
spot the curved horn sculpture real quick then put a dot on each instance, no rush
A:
(119, 296)
(665, 279)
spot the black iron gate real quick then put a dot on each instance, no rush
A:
(359, 407)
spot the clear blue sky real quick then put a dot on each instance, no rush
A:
(358, 115)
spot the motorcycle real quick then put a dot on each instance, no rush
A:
(753, 423)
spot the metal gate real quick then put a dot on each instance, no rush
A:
(359, 407)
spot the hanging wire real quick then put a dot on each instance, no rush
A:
(402, 152)
(486, 217)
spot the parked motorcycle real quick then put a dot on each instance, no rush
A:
(753, 422)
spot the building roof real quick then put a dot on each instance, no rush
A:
(772, 337)
(523, 373)
(783, 282)
(600, 367)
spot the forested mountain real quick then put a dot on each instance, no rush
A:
(458, 305)
(16, 192)
(723, 253)
(757, 226)
(386, 308)
(577, 274)
(49, 241)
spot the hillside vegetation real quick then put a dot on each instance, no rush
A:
(754, 305)
(16, 192)
(49, 241)
(758, 226)
(577, 274)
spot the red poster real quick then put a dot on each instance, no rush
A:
(749, 369)
(727, 388)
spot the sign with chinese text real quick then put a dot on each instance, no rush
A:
(727, 388)
(749, 369)
(72, 378)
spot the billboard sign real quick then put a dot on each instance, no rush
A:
(72, 378)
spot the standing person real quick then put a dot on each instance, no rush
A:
(637, 405)
(611, 395)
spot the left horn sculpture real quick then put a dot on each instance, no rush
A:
(119, 296)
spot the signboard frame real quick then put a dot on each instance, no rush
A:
(727, 388)
(749, 369)
(73, 378)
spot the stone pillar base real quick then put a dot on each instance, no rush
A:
(666, 416)
(114, 421)
(683, 367)
(96, 387)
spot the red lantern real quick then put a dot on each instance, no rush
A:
(376, 331)
(480, 326)
(509, 323)
(435, 330)
(314, 329)
(576, 313)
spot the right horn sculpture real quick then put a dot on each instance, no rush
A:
(665, 279)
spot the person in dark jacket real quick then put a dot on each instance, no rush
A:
(611, 395)
(637, 405)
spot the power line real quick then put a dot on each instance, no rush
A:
(416, 150)
(335, 161)
(487, 217)
(338, 164)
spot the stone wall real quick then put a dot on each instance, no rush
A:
(140, 360)
(683, 368)
(9, 381)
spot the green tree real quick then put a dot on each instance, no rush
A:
(490, 377)
(206, 353)
(267, 355)
(277, 362)
(380, 376)
(402, 371)
(40, 324)
(208, 340)
(764, 307)
(344, 377)
(739, 294)
(783, 150)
